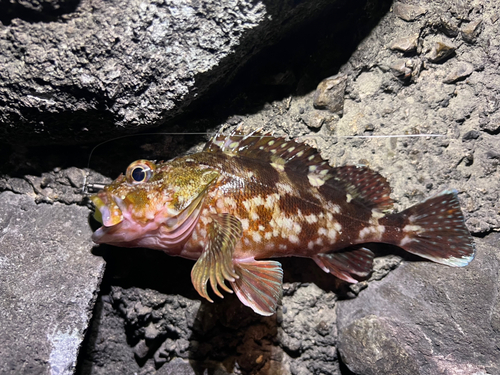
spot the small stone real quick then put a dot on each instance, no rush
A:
(141, 349)
(440, 51)
(470, 135)
(471, 31)
(406, 44)
(407, 69)
(448, 28)
(329, 94)
(461, 71)
(408, 12)
(151, 332)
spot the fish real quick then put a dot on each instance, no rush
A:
(248, 198)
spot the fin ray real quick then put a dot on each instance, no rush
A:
(344, 264)
(364, 185)
(435, 229)
(259, 285)
(215, 265)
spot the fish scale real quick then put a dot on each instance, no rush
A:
(247, 198)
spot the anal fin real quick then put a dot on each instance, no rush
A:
(344, 264)
(259, 284)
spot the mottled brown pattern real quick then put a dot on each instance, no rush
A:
(252, 197)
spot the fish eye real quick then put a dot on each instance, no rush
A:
(140, 171)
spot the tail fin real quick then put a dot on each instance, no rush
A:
(435, 230)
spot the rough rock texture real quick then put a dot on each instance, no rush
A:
(426, 319)
(114, 64)
(49, 281)
(425, 67)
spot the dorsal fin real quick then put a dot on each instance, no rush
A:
(362, 184)
(268, 148)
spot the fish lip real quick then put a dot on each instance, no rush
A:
(108, 208)
(99, 234)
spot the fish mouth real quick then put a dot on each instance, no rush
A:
(107, 212)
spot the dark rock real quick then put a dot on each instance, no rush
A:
(408, 12)
(440, 51)
(426, 319)
(329, 94)
(470, 135)
(407, 69)
(61, 83)
(471, 31)
(49, 281)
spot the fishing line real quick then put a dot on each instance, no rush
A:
(97, 186)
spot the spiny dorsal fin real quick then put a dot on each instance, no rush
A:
(362, 184)
(268, 148)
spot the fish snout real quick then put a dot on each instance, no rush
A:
(107, 211)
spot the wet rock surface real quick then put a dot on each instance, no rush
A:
(421, 318)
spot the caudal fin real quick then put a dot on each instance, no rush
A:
(435, 230)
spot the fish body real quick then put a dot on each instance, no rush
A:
(247, 198)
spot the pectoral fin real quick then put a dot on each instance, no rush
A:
(259, 284)
(216, 262)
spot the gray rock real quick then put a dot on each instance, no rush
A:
(440, 50)
(406, 44)
(458, 72)
(426, 319)
(471, 31)
(408, 12)
(150, 59)
(49, 284)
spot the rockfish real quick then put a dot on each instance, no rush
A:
(247, 198)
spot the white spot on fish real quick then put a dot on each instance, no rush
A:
(271, 200)
(310, 245)
(254, 215)
(337, 226)
(293, 238)
(256, 237)
(278, 167)
(284, 187)
(348, 198)
(413, 228)
(244, 224)
(315, 180)
(372, 232)
(405, 241)
(332, 235)
(268, 235)
(311, 219)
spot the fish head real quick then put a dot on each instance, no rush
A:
(152, 205)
